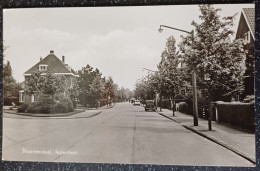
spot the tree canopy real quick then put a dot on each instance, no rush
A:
(218, 60)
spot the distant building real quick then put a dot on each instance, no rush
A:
(246, 31)
(49, 63)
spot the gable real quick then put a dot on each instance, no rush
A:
(53, 63)
(249, 14)
(246, 23)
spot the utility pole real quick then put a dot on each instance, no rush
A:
(195, 102)
(194, 86)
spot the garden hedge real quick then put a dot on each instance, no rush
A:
(237, 114)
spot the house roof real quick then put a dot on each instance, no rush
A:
(249, 15)
(54, 64)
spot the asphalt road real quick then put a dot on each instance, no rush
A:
(122, 134)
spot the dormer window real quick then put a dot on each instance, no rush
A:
(43, 67)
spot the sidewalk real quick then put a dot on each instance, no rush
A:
(238, 141)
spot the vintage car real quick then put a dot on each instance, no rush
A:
(149, 105)
(137, 103)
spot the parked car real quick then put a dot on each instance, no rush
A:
(149, 105)
(137, 103)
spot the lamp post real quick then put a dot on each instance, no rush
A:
(158, 87)
(195, 101)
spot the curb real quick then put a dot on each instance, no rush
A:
(221, 143)
(46, 115)
(56, 117)
(169, 117)
(81, 117)
(100, 108)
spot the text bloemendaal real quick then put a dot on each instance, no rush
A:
(49, 152)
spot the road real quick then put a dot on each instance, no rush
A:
(123, 134)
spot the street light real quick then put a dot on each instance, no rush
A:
(158, 87)
(195, 101)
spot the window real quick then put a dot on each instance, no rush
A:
(43, 67)
(247, 37)
(21, 96)
(33, 98)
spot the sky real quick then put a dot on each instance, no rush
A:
(119, 41)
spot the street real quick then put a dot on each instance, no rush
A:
(122, 134)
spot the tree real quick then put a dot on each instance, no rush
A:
(171, 71)
(85, 80)
(123, 94)
(45, 85)
(146, 88)
(218, 61)
(97, 88)
(109, 91)
(74, 94)
(11, 87)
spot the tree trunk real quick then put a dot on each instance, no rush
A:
(210, 114)
(52, 97)
(173, 104)
(95, 102)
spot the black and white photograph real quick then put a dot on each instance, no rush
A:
(161, 85)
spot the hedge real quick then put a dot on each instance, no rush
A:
(35, 108)
(165, 103)
(237, 114)
(8, 101)
(183, 107)
(47, 106)
(23, 108)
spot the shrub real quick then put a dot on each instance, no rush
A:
(166, 103)
(23, 107)
(64, 105)
(61, 107)
(74, 104)
(238, 114)
(189, 102)
(9, 100)
(68, 102)
(46, 103)
(34, 108)
(183, 107)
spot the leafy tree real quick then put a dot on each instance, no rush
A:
(170, 70)
(46, 84)
(109, 91)
(74, 94)
(85, 80)
(97, 88)
(11, 87)
(123, 94)
(146, 88)
(218, 61)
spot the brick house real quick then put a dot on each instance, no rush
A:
(53, 64)
(246, 31)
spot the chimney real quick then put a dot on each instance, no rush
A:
(51, 52)
(40, 58)
(63, 59)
